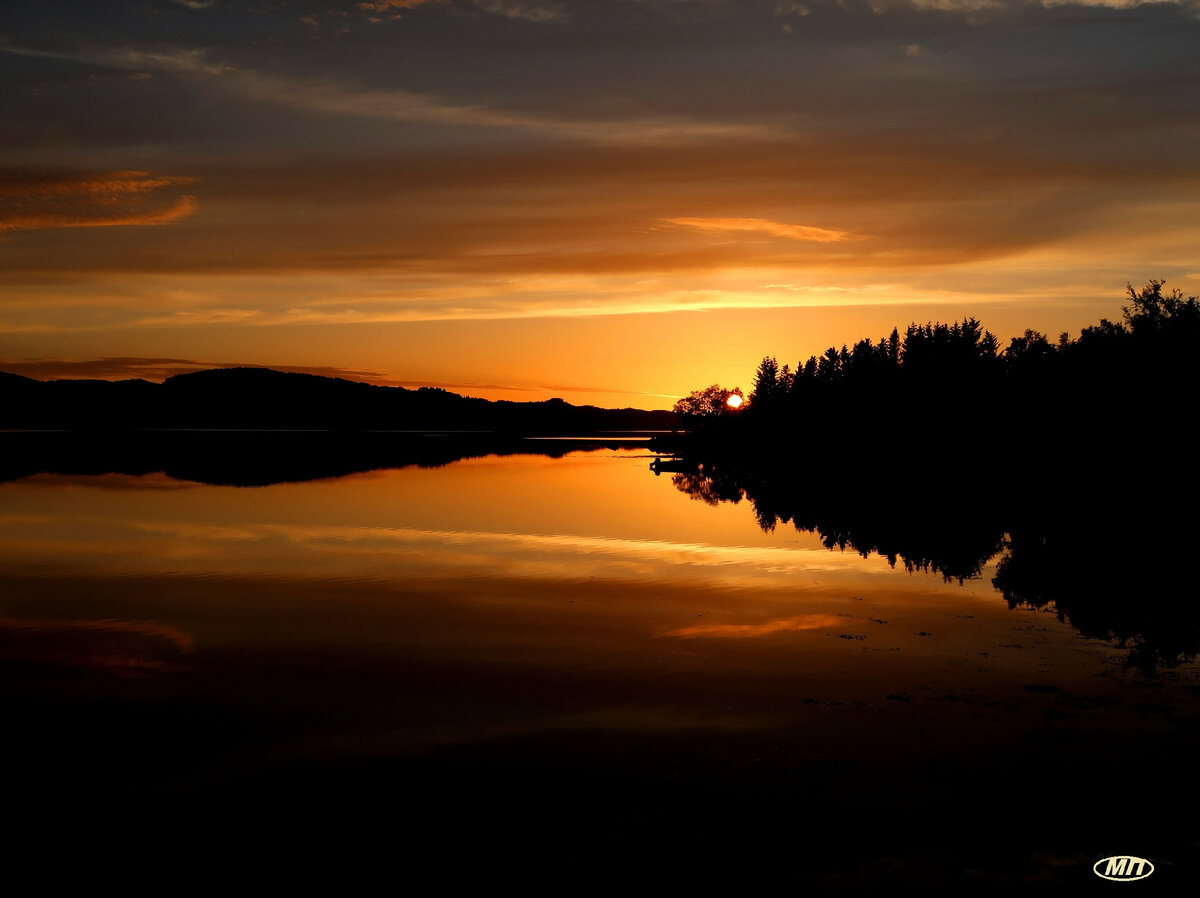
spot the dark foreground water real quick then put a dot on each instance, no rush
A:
(552, 675)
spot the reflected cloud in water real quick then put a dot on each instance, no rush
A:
(750, 631)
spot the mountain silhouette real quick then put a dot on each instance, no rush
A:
(265, 399)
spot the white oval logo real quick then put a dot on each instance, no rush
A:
(1123, 868)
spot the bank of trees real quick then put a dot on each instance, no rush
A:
(925, 356)
(939, 445)
(1123, 385)
(707, 405)
(947, 370)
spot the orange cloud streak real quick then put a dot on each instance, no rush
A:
(112, 199)
(750, 631)
(774, 228)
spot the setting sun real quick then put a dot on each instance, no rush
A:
(734, 400)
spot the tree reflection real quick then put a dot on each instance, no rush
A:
(918, 536)
(1080, 558)
(261, 458)
(1131, 590)
(709, 487)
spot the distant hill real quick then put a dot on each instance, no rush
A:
(264, 399)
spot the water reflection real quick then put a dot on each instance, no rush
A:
(1051, 555)
(555, 652)
(265, 457)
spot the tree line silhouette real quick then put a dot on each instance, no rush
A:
(949, 395)
(940, 448)
(961, 359)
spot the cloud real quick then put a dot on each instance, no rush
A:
(127, 367)
(530, 12)
(31, 201)
(190, 62)
(974, 6)
(387, 5)
(337, 96)
(377, 11)
(557, 12)
(318, 96)
(184, 207)
(570, 389)
(343, 99)
(563, 229)
(107, 186)
(774, 228)
(751, 631)
(382, 10)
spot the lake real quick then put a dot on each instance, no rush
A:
(559, 672)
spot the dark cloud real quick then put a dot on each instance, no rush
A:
(157, 369)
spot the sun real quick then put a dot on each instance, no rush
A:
(734, 400)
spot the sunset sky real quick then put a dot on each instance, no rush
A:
(612, 201)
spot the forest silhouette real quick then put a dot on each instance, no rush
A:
(947, 397)
(1071, 463)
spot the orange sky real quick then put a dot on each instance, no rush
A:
(613, 202)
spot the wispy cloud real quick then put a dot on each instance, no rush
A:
(379, 10)
(570, 389)
(35, 201)
(191, 61)
(126, 367)
(334, 97)
(385, 5)
(774, 228)
(184, 207)
(384, 10)
(751, 631)
(344, 98)
(530, 12)
(974, 6)
(790, 8)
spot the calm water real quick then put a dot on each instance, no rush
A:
(545, 665)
